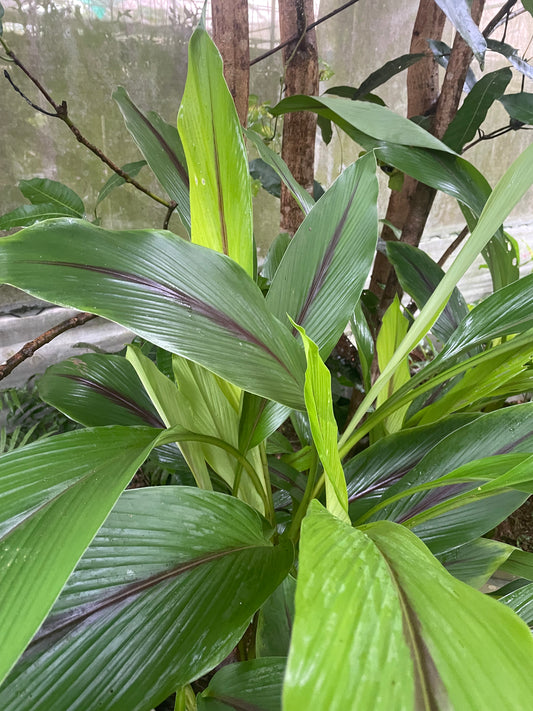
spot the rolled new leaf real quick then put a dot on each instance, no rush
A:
(188, 299)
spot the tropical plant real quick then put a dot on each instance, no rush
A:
(334, 574)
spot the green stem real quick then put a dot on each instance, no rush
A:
(270, 512)
(294, 529)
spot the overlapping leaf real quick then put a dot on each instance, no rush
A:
(161, 596)
(221, 203)
(54, 495)
(458, 12)
(183, 297)
(255, 684)
(323, 270)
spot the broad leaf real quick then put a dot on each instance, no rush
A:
(96, 390)
(419, 276)
(51, 492)
(475, 562)
(323, 270)
(473, 111)
(348, 648)
(458, 12)
(519, 106)
(521, 602)
(274, 255)
(163, 153)
(318, 401)
(178, 295)
(41, 191)
(26, 215)
(255, 684)
(221, 203)
(115, 181)
(162, 595)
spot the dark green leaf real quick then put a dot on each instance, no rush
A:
(528, 5)
(54, 495)
(162, 595)
(41, 191)
(270, 180)
(178, 295)
(274, 622)
(475, 562)
(519, 106)
(26, 215)
(520, 563)
(473, 111)
(275, 254)
(512, 55)
(322, 273)
(115, 181)
(254, 685)
(419, 276)
(96, 390)
(163, 157)
(384, 73)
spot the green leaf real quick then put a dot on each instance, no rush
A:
(512, 56)
(458, 12)
(519, 106)
(374, 120)
(274, 256)
(393, 329)
(274, 622)
(348, 649)
(364, 343)
(26, 215)
(473, 112)
(441, 52)
(178, 295)
(276, 162)
(528, 5)
(1, 16)
(521, 602)
(323, 270)
(319, 404)
(458, 633)
(163, 153)
(162, 595)
(221, 203)
(54, 495)
(384, 73)
(115, 181)
(255, 684)
(475, 562)
(41, 191)
(96, 390)
(519, 564)
(419, 276)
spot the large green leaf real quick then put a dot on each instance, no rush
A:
(274, 622)
(419, 276)
(97, 389)
(26, 215)
(475, 562)
(473, 111)
(54, 495)
(221, 202)
(161, 146)
(348, 649)
(255, 685)
(519, 106)
(521, 601)
(181, 296)
(162, 595)
(380, 624)
(323, 270)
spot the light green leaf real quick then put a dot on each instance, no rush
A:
(348, 649)
(54, 495)
(521, 602)
(322, 273)
(162, 595)
(115, 181)
(178, 295)
(319, 404)
(393, 329)
(41, 191)
(254, 685)
(221, 203)
(162, 150)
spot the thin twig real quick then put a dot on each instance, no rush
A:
(28, 349)
(170, 210)
(61, 112)
(453, 246)
(309, 27)
(498, 17)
